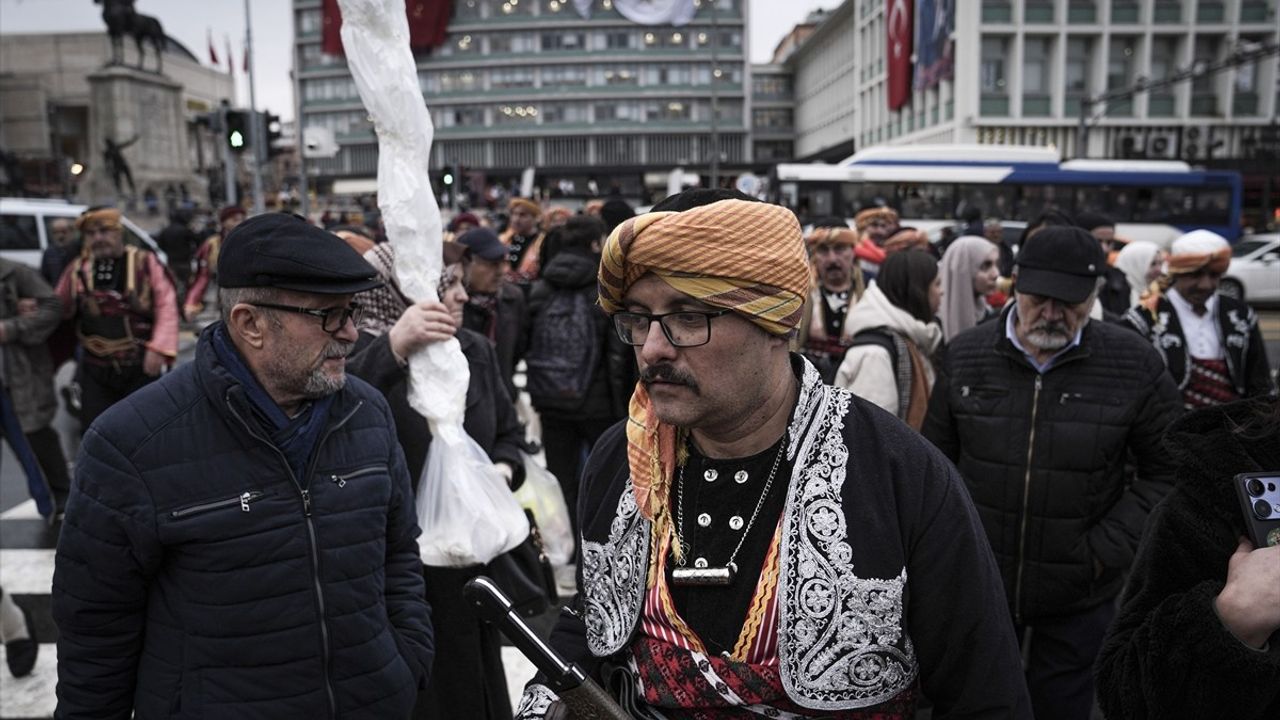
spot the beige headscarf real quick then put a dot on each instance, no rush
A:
(961, 309)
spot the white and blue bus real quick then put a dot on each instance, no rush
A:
(930, 185)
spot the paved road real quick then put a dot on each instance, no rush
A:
(26, 564)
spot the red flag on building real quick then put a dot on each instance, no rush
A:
(231, 58)
(428, 24)
(900, 28)
(246, 59)
(213, 54)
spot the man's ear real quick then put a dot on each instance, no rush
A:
(247, 326)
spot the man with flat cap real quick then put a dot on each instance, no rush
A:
(1041, 410)
(1210, 342)
(754, 542)
(240, 537)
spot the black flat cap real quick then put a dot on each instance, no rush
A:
(281, 250)
(1062, 263)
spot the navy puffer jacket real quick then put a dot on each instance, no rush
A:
(196, 578)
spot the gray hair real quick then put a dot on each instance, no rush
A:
(230, 297)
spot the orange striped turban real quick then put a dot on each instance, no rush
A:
(743, 256)
(864, 218)
(105, 216)
(831, 236)
(1198, 249)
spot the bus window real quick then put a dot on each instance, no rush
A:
(995, 201)
(926, 201)
(1035, 199)
(874, 195)
(1212, 207)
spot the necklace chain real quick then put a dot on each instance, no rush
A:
(777, 459)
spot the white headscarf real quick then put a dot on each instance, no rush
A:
(961, 309)
(1133, 261)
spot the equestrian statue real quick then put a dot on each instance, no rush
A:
(121, 20)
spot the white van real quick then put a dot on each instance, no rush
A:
(24, 228)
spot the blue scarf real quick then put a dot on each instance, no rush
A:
(295, 437)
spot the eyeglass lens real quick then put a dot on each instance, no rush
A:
(682, 329)
(336, 318)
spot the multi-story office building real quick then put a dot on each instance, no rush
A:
(590, 103)
(1023, 67)
(1020, 69)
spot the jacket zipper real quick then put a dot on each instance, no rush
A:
(341, 480)
(1026, 497)
(243, 499)
(305, 494)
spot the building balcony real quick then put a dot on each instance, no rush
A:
(1037, 11)
(992, 106)
(1082, 13)
(1211, 11)
(1125, 11)
(1167, 13)
(1204, 104)
(1254, 11)
(1244, 103)
(1037, 105)
(997, 11)
(1162, 105)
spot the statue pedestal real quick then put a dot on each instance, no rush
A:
(125, 103)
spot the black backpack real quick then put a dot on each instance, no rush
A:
(564, 350)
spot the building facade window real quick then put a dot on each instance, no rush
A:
(309, 21)
(615, 75)
(1037, 54)
(505, 43)
(569, 40)
(519, 114)
(564, 75)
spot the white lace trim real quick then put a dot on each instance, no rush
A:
(614, 575)
(842, 644)
(534, 702)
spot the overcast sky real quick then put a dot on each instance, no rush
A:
(191, 21)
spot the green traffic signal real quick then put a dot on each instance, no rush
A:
(236, 139)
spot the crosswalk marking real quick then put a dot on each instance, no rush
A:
(32, 696)
(22, 511)
(26, 572)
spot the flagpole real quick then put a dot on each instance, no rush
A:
(256, 136)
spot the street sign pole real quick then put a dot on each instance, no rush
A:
(228, 160)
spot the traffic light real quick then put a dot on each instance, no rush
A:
(237, 130)
(274, 130)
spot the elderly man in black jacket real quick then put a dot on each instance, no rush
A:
(1040, 410)
(240, 537)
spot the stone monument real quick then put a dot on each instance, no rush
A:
(137, 117)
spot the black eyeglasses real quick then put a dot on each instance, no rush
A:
(686, 328)
(331, 319)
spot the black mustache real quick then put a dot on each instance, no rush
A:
(667, 374)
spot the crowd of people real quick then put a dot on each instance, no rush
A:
(849, 472)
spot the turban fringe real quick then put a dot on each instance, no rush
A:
(743, 256)
(1217, 261)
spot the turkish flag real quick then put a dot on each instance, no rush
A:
(900, 28)
(213, 54)
(428, 24)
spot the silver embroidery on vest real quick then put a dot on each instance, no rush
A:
(842, 644)
(534, 702)
(613, 575)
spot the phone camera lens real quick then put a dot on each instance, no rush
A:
(1255, 487)
(1262, 508)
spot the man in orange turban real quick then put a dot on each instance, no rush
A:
(1210, 342)
(524, 238)
(838, 287)
(747, 524)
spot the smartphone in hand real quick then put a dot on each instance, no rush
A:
(1259, 495)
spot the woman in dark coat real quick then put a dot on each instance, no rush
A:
(469, 680)
(1183, 645)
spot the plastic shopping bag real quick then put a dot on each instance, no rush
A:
(541, 495)
(467, 513)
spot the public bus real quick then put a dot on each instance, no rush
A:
(931, 185)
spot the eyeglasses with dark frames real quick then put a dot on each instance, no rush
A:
(331, 319)
(684, 328)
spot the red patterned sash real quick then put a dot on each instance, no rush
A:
(1209, 384)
